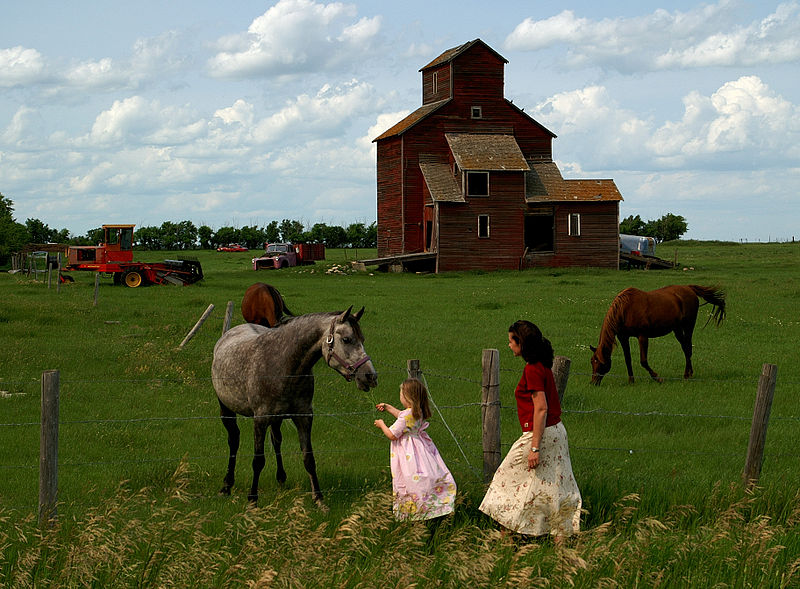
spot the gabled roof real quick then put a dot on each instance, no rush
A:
(440, 181)
(451, 54)
(544, 183)
(478, 151)
(412, 119)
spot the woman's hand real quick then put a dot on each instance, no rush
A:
(533, 459)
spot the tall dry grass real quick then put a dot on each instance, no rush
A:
(153, 538)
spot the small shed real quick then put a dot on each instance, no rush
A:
(467, 181)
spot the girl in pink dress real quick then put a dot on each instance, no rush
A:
(423, 486)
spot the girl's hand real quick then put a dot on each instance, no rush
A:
(379, 423)
(381, 406)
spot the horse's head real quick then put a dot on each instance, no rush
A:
(343, 350)
(600, 367)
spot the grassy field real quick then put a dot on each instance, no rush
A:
(142, 452)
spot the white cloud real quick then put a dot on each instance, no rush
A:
(325, 114)
(295, 36)
(744, 120)
(743, 116)
(701, 37)
(135, 120)
(20, 66)
(17, 130)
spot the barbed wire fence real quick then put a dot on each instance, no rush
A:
(486, 411)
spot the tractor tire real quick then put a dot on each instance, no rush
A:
(133, 279)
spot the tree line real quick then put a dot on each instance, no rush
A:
(666, 228)
(184, 235)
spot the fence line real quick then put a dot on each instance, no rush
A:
(49, 446)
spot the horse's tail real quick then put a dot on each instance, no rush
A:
(715, 296)
(279, 304)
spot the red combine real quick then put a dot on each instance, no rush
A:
(115, 256)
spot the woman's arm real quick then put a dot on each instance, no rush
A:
(386, 407)
(384, 428)
(539, 420)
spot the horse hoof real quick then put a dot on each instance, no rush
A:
(252, 500)
(321, 505)
(225, 491)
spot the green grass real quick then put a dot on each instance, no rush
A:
(658, 465)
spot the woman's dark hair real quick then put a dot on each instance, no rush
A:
(534, 346)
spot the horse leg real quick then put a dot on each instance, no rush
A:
(260, 425)
(229, 421)
(626, 349)
(643, 345)
(276, 438)
(685, 339)
(303, 425)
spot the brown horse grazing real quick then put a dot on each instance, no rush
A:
(264, 305)
(640, 314)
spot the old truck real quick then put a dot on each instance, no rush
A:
(115, 256)
(285, 255)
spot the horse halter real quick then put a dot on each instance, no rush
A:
(349, 368)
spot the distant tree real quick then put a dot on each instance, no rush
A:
(272, 233)
(359, 235)
(666, 228)
(224, 236)
(61, 236)
(39, 232)
(13, 235)
(291, 231)
(205, 234)
(95, 236)
(252, 237)
(632, 225)
(185, 235)
(148, 238)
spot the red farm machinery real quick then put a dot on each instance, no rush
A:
(115, 256)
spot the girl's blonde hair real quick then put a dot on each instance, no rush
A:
(416, 394)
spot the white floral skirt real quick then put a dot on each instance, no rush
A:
(544, 500)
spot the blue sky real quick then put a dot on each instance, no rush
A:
(248, 112)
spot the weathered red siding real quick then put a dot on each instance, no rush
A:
(390, 197)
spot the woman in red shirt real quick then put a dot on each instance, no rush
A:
(534, 491)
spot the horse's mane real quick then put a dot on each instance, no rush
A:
(286, 320)
(614, 314)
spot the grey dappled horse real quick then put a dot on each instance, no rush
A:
(266, 373)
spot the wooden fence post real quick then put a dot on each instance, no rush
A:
(490, 412)
(197, 326)
(412, 366)
(758, 429)
(226, 325)
(48, 448)
(96, 286)
(561, 374)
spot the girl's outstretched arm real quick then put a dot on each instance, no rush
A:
(387, 407)
(385, 429)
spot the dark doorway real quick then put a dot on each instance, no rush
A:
(539, 233)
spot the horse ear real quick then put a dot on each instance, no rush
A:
(343, 317)
(358, 315)
(592, 348)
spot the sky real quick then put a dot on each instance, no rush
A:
(241, 113)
